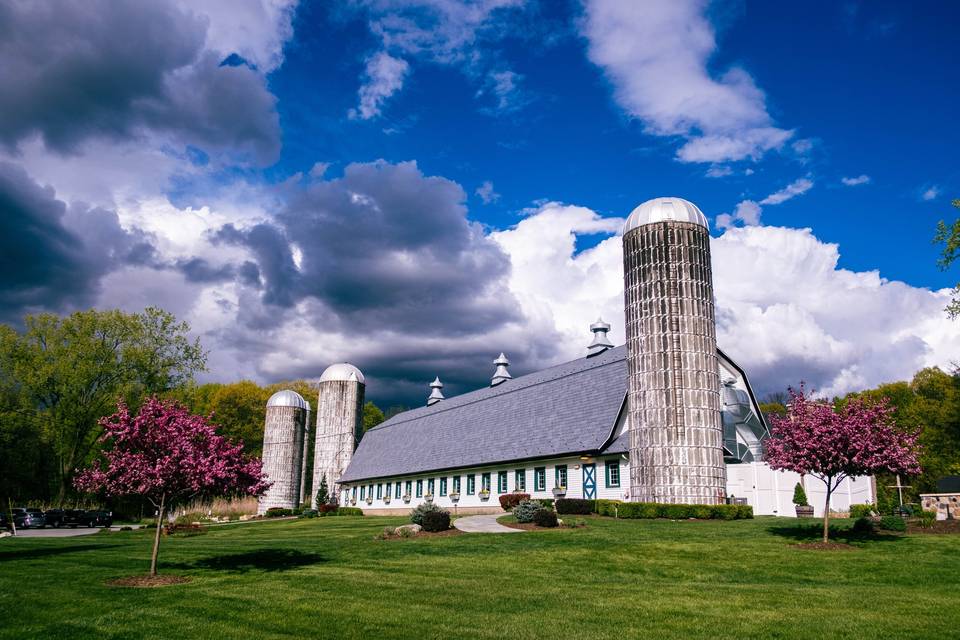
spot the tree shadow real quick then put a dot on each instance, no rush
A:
(263, 560)
(814, 533)
(42, 552)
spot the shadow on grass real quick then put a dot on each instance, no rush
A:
(262, 560)
(30, 554)
(814, 533)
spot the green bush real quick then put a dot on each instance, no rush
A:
(800, 496)
(278, 512)
(863, 526)
(416, 515)
(576, 506)
(545, 518)
(862, 510)
(509, 500)
(309, 513)
(436, 520)
(526, 510)
(346, 511)
(650, 510)
(546, 503)
(892, 523)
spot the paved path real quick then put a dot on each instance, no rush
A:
(483, 524)
(63, 532)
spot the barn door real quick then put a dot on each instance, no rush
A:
(590, 481)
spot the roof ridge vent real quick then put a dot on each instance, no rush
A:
(435, 395)
(600, 340)
(501, 374)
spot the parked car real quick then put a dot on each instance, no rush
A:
(98, 518)
(54, 517)
(74, 517)
(29, 518)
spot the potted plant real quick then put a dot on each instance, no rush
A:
(559, 492)
(406, 497)
(353, 501)
(428, 497)
(804, 510)
(386, 499)
(369, 499)
(455, 496)
(484, 494)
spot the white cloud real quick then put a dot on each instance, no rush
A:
(384, 77)
(655, 54)
(854, 182)
(719, 171)
(486, 192)
(930, 193)
(792, 190)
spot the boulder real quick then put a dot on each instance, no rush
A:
(412, 528)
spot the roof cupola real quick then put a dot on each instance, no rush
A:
(435, 395)
(600, 340)
(501, 374)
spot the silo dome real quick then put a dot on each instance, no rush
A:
(288, 398)
(342, 371)
(662, 209)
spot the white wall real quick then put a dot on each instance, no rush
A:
(574, 484)
(771, 492)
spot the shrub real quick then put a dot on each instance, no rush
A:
(327, 507)
(278, 512)
(545, 518)
(576, 506)
(605, 507)
(309, 513)
(405, 533)
(185, 530)
(509, 500)
(416, 516)
(346, 511)
(862, 510)
(926, 518)
(436, 520)
(526, 510)
(546, 503)
(648, 510)
(126, 528)
(892, 523)
(863, 526)
(800, 496)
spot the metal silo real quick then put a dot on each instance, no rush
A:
(676, 449)
(339, 424)
(283, 441)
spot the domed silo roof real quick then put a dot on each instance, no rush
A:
(342, 371)
(288, 398)
(661, 209)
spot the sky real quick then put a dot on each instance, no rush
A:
(414, 186)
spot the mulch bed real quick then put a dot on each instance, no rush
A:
(824, 546)
(147, 581)
(429, 534)
(526, 526)
(938, 527)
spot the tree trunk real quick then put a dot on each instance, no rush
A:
(826, 515)
(156, 536)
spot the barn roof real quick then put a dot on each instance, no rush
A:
(571, 408)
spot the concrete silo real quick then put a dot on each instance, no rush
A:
(676, 448)
(283, 443)
(339, 424)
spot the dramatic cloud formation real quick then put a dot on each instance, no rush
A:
(75, 71)
(655, 55)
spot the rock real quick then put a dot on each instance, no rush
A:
(5, 534)
(412, 528)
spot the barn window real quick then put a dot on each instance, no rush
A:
(419, 488)
(471, 484)
(540, 479)
(613, 473)
(443, 486)
(520, 479)
(560, 477)
(501, 482)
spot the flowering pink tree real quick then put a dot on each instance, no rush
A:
(858, 439)
(168, 456)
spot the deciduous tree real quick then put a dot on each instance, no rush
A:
(168, 456)
(831, 444)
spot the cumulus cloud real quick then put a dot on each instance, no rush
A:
(77, 71)
(796, 188)
(856, 181)
(656, 55)
(486, 192)
(930, 193)
(384, 76)
(719, 171)
(747, 212)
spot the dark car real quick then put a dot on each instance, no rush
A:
(54, 517)
(29, 518)
(98, 518)
(74, 518)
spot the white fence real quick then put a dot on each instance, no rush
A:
(771, 492)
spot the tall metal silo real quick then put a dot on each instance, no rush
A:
(676, 436)
(339, 424)
(283, 441)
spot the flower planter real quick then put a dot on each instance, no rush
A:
(353, 501)
(454, 497)
(428, 498)
(559, 492)
(804, 511)
(484, 496)
(386, 500)
(369, 500)
(406, 498)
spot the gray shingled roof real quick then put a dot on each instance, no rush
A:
(571, 408)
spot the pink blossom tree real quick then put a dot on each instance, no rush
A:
(832, 444)
(168, 455)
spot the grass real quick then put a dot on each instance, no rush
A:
(328, 577)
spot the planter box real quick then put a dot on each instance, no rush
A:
(386, 500)
(454, 497)
(353, 501)
(805, 511)
(406, 498)
(485, 496)
(428, 498)
(558, 492)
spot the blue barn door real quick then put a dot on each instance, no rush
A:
(590, 481)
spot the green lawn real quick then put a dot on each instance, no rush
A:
(329, 578)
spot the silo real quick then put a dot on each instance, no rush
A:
(676, 449)
(339, 424)
(283, 440)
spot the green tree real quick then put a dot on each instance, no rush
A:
(70, 371)
(372, 416)
(774, 408)
(949, 237)
(323, 493)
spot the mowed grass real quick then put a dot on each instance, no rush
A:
(329, 578)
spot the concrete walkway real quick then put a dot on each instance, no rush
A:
(483, 524)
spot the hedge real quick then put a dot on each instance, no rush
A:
(650, 510)
(861, 510)
(545, 518)
(346, 511)
(278, 512)
(436, 521)
(509, 500)
(577, 506)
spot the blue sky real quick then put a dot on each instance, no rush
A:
(415, 186)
